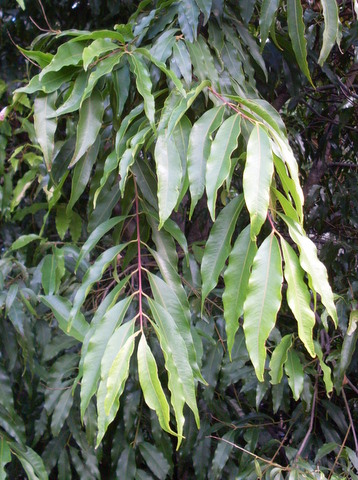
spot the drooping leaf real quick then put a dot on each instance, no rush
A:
(218, 164)
(236, 280)
(263, 301)
(199, 150)
(182, 60)
(89, 124)
(330, 34)
(257, 177)
(144, 85)
(296, 31)
(345, 358)
(188, 17)
(5, 457)
(95, 49)
(155, 460)
(68, 54)
(298, 296)
(268, 11)
(73, 102)
(61, 411)
(325, 368)
(62, 220)
(218, 246)
(294, 372)
(279, 358)
(152, 389)
(45, 127)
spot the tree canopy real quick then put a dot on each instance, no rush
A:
(178, 202)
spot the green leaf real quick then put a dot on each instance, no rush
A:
(236, 278)
(169, 173)
(203, 62)
(182, 60)
(97, 345)
(188, 17)
(155, 460)
(82, 173)
(95, 49)
(330, 34)
(118, 373)
(89, 124)
(61, 411)
(96, 235)
(219, 164)
(61, 308)
(126, 466)
(268, 12)
(5, 457)
(144, 86)
(48, 271)
(45, 127)
(298, 296)
(21, 3)
(257, 177)
(180, 374)
(150, 384)
(168, 299)
(24, 240)
(122, 337)
(296, 31)
(73, 102)
(21, 188)
(345, 358)
(313, 266)
(218, 246)
(295, 374)
(63, 220)
(325, 369)
(68, 54)
(278, 358)
(199, 150)
(205, 7)
(30, 460)
(221, 456)
(263, 301)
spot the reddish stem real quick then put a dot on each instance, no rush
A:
(140, 291)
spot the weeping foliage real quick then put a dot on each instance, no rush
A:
(140, 130)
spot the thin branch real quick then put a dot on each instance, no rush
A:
(339, 453)
(46, 20)
(310, 428)
(353, 387)
(350, 420)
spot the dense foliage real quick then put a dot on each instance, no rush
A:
(165, 313)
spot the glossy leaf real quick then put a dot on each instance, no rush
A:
(67, 54)
(296, 31)
(279, 358)
(5, 457)
(150, 384)
(61, 411)
(199, 150)
(144, 85)
(263, 301)
(45, 127)
(155, 460)
(236, 278)
(219, 161)
(268, 12)
(330, 34)
(73, 102)
(298, 296)
(182, 60)
(295, 374)
(89, 124)
(218, 246)
(325, 368)
(257, 177)
(95, 49)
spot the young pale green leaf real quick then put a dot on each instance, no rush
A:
(263, 301)
(93, 274)
(180, 313)
(268, 12)
(296, 31)
(73, 102)
(219, 161)
(115, 344)
(236, 278)
(95, 49)
(218, 246)
(155, 460)
(118, 373)
(325, 368)
(144, 85)
(89, 124)
(150, 384)
(45, 127)
(61, 308)
(295, 374)
(279, 358)
(180, 375)
(169, 172)
(313, 266)
(82, 173)
(257, 177)
(68, 54)
(298, 296)
(199, 151)
(96, 349)
(331, 28)
(5, 457)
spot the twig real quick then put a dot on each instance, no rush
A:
(309, 431)
(350, 420)
(339, 453)
(353, 387)
(46, 20)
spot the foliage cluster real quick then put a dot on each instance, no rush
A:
(164, 311)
